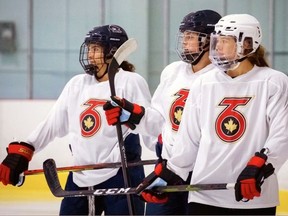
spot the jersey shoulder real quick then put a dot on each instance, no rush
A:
(79, 82)
(133, 87)
(275, 77)
(81, 79)
(127, 76)
(210, 73)
(174, 69)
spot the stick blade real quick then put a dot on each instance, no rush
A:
(125, 50)
(120, 55)
(51, 175)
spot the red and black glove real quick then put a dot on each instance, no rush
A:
(161, 176)
(123, 111)
(249, 181)
(16, 162)
(112, 113)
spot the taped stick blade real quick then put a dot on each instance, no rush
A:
(51, 176)
(125, 50)
(122, 53)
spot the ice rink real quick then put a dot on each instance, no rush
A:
(30, 208)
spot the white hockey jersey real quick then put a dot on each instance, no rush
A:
(225, 121)
(79, 113)
(164, 115)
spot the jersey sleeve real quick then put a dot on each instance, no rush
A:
(277, 117)
(153, 120)
(54, 125)
(187, 140)
(137, 91)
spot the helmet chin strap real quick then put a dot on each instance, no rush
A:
(199, 57)
(98, 70)
(205, 49)
(237, 63)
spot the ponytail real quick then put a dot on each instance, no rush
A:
(127, 66)
(258, 58)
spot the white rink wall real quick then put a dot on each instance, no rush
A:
(19, 117)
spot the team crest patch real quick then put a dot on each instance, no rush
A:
(177, 115)
(90, 118)
(230, 125)
(177, 107)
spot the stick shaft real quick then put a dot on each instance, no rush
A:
(131, 191)
(53, 182)
(92, 167)
(122, 52)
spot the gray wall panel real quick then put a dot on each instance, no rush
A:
(59, 28)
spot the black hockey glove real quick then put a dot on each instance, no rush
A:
(249, 182)
(123, 111)
(161, 176)
(15, 163)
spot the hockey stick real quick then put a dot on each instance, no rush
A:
(53, 182)
(91, 167)
(84, 167)
(122, 53)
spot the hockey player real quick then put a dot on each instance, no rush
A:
(165, 114)
(78, 113)
(234, 126)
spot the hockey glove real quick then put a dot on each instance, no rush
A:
(161, 176)
(16, 162)
(123, 111)
(249, 181)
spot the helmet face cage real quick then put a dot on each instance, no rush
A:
(201, 23)
(223, 51)
(110, 37)
(86, 64)
(187, 48)
(245, 30)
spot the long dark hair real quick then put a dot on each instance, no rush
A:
(259, 57)
(127, 66)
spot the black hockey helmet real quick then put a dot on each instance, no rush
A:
(110, 37)
(201, 22)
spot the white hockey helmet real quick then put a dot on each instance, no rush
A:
(244, 28)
